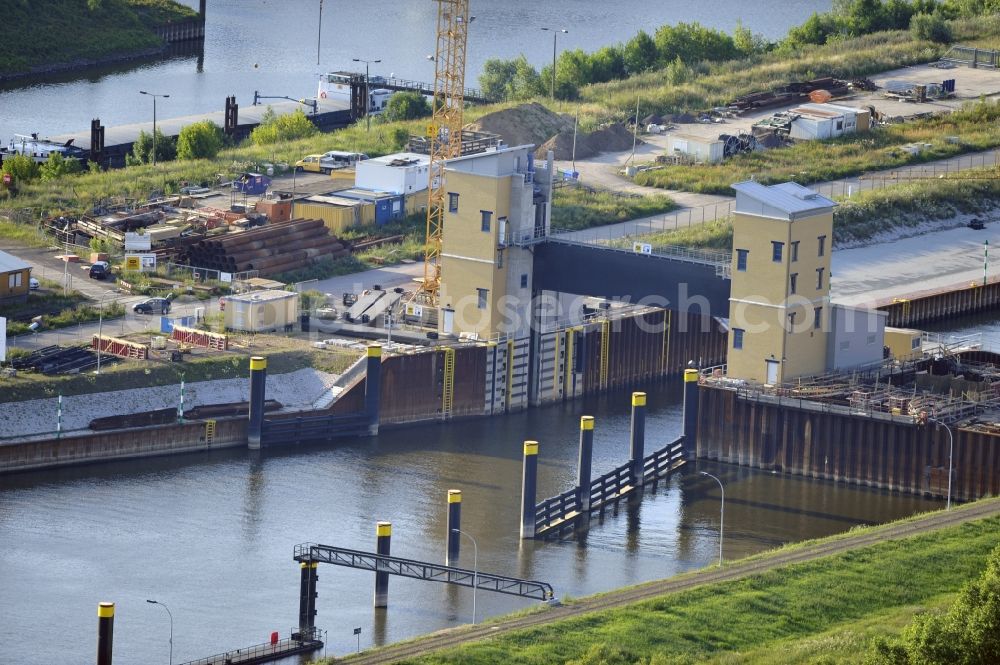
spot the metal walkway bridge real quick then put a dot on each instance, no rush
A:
(422, 570)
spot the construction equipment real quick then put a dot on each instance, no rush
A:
(444, 133)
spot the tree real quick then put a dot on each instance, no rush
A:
(407, 106)
(932, 27)
(607, 64)
(200, 140)
(142, 149)
(746, 42)
(57, 166)
(21, 168)
(639, 53)
(692, 43)
(275, 128)
(513, 79)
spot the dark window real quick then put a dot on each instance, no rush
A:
(741, 259)
(452, 202)
(524, 281)
(795, 250)
(822, 245)
(483, 293)
(840, 124)
(487, 215)
(776, 250)
(818, 318)
(819, 278)
(737, 338)
(793, 282)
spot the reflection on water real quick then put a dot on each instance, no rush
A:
(212, 535)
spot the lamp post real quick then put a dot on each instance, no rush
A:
(722, 511)
(951, 449)
(475, 570)
(100, 325)
(154, 96)
(555, 34)
(156, 602)
(368, 103)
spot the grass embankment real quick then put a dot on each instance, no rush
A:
(57, 312)
(806, 162)
(824, 611)
(282, 356)
(575, 208)
(868, 214)
(43, 33)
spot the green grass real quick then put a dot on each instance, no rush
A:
(40, 33)
(818, 161)
(69, 316)
(820, 611)
(146, 374)
(575, 208)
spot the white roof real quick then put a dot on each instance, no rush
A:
(10, 263)
(259, 296)
(789, 198)
(415, 159)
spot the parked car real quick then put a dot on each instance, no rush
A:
(152, 305)
(100, 270)
(33, 283)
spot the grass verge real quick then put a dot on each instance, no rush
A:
(771, 617)
(575, 208)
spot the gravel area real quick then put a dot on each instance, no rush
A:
(296, 390)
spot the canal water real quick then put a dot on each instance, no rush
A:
(212, 536)
(270, 46)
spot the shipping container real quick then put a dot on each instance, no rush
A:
(261, 311)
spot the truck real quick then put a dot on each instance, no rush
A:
(329, 161)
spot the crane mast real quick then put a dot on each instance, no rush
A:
(444, 132)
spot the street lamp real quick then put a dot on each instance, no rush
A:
(475, 570)
(951, 449)
(368, 103)
(154, 96)
(722, 511)
(100, 325)
(555, 33)
(156, 602)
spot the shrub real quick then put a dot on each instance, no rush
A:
(932, 27)
(200, 140)
(407, 106)
(275, 128)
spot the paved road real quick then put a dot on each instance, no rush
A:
(706, 208)
(623, 597)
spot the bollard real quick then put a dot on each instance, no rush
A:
(454, 524)
(258, 380)
(529, 484)
(584, 460)
(105, 632)
(637, 443)
(307, 596)
(383, 534)
(373, 387)
(690, 412)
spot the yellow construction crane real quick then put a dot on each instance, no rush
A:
(444, 132)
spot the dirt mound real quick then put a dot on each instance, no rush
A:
(527, 123)
(534, 124)
(613, 138)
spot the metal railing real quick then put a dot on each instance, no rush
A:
(306, 640)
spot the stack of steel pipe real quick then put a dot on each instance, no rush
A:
(270, 249)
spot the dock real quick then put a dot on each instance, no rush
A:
(330, 114)
(268, 652)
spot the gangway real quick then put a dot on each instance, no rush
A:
(358, 309)
(422, 570)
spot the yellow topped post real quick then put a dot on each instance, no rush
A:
(454, 525)
(584, 461)
(690, 375)
(105, 632)
(529, 486)
(586, 422)
(383, 533)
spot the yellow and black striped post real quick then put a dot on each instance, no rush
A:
(584, 461)
(637, 442)
(454, 524)
(105, 632)
(529, 486)
(383, 536)
(258, 381)
(373, 387)
(690, 412)
(308, 576)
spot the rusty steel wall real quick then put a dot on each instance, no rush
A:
(121, 444)
(924, 308)
(412, 385)
(639, 348)
(892, 454)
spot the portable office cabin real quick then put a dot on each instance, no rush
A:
(387, 206)
(260, 311)
(822, 121)
(337, 212)
(699, 148)
(400, 173)
(15, 278)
